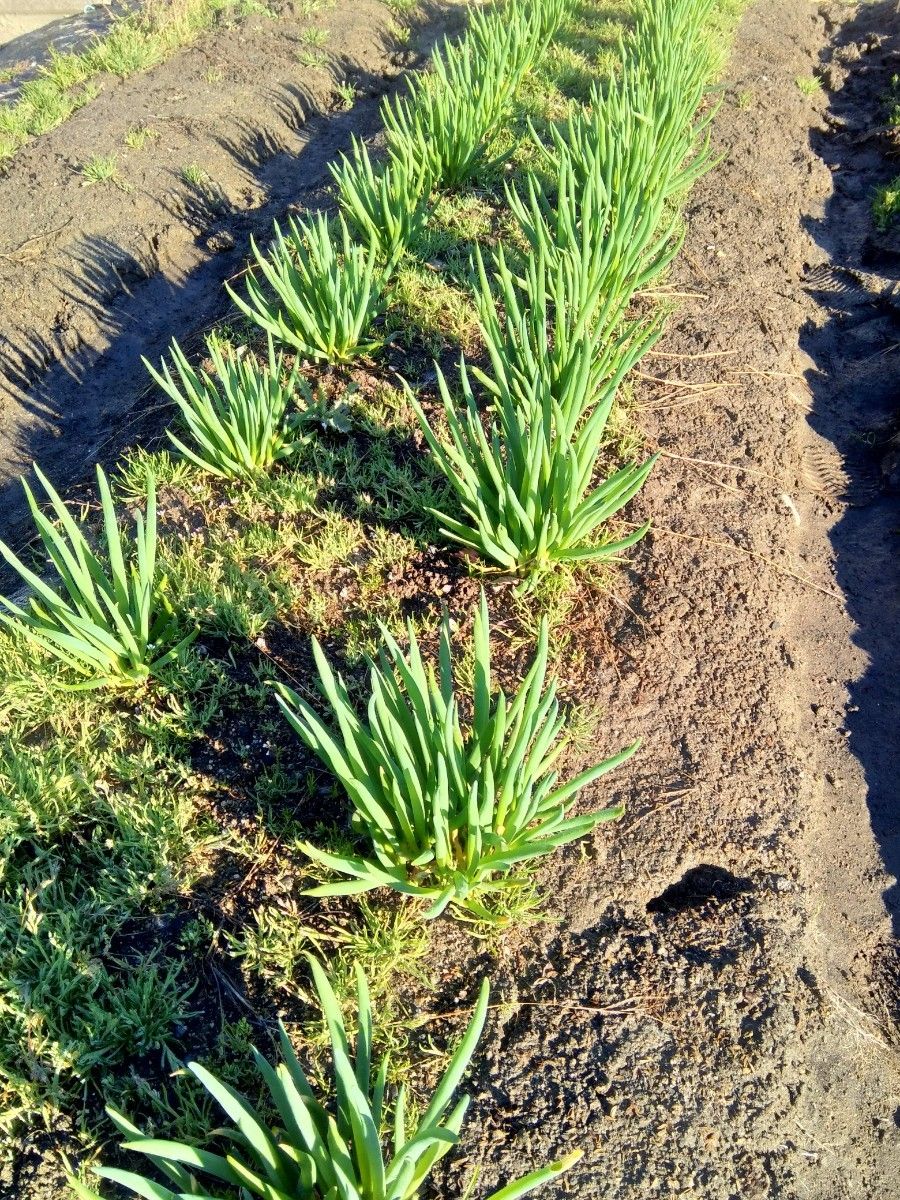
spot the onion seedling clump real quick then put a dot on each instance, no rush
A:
(446, 810)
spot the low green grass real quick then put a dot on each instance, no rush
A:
(194, 176)
(100, 817)
(390, 945)
(139, 136)
(346, 93)
(886, 204)
(314, 36)
(886, 198)
(101, 168)
(893, 102)
(427, 305)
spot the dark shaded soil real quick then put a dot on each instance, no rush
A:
(853, 341)
(710, 1009)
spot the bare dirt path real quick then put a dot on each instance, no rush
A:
(93, 277)
(710, 1015)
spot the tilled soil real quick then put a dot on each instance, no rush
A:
(714, 1010)
(94, 277)
(710, 1010)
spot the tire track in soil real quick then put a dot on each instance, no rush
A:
(733, 923)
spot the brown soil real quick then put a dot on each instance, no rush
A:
(734, 925)
(711, 1009)
(94, 277)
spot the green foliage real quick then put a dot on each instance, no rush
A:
(614, 234)
(446, 811)
(511, 37)
(138, 136)
(321, 1152)
(44, 106)
(524, 486)
(111, 622)
(886, 204)
(617, 164)
(98, 818)
(892, 102)
(809, 85)
(100, 168)
(606, 228)
(388, 206)
(450, 115)
(111, 822)
(326, 295)
(239, 426)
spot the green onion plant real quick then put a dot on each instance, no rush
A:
(387, 205)
(446, 811)
(354, 1147)
(324, 290)
(444, 122)
(668, 59)
(108, 618)
(513, 36)
(449, 116)
(238, 422)
(524, 480)
(622, 241)
(618, 163)
(559, 342)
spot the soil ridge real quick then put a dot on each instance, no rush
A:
(703, 1010)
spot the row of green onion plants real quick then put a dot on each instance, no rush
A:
(451, 797)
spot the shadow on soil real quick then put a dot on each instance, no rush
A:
(81, 403)
(856, 395)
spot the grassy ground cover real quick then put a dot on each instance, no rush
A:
(135, 42)
(152, 902)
